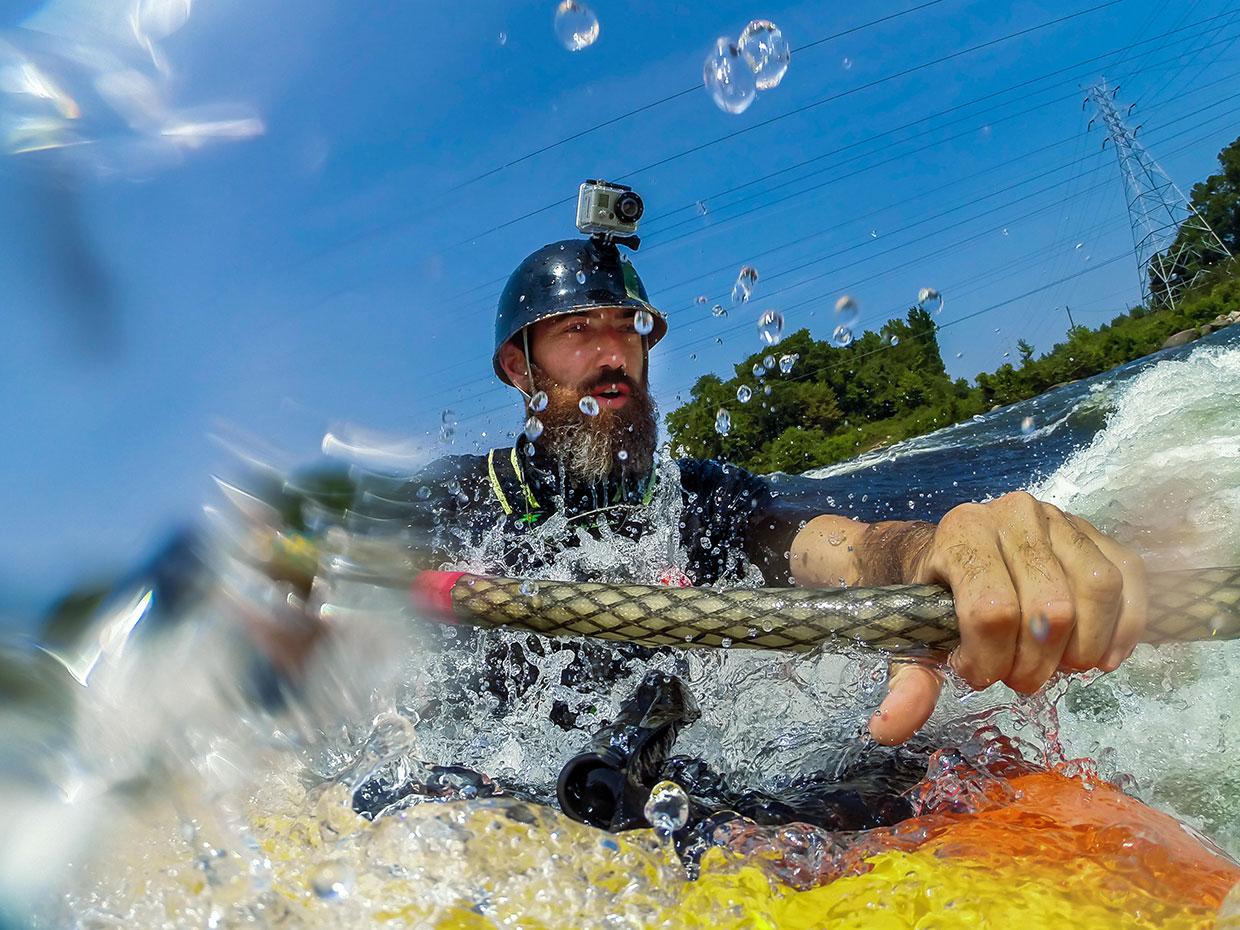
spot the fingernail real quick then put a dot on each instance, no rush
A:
(1114, 658)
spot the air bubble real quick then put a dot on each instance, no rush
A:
(1027, 426)
(622, 455)
(643, 322)
(538, 403)
(667, 808)
(701, 208)
(764, 48)
(723, 422)
(930, 300)
(786, 362)
(529, 588)
(743, 393)
(588, 405)
(771, 327)
(769, 363)
(847, 64)
(332, 880)
(758, 370)
(895, 341)
(847, 313)
(576, 26)
(842, 337)
(581, 277)
(719, 310)
(728, 78)
(533, 428)
(1040, 627)
(745, 282)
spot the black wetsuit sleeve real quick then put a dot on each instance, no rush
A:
(734, 509)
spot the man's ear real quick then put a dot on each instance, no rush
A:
(512, 360)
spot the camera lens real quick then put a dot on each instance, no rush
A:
(629, 207)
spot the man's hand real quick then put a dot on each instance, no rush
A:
(1036, 590)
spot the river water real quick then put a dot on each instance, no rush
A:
(152, 787)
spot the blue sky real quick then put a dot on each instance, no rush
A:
(332, 262)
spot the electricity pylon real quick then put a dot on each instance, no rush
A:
(1167, 261)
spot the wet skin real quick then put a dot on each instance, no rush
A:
(1036, 589)
(577, 348)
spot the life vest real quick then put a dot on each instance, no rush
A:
(509, 485)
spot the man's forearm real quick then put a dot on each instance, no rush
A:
(833, 550)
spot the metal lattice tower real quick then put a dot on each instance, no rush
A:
(1166, 261)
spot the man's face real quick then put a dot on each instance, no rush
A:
(585, 349)
(594, 354)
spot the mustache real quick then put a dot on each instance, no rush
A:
(610, 376)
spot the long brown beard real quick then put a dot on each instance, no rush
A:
(612, 445)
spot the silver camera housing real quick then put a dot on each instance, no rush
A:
(608, 209)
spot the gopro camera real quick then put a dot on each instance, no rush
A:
(608, 210)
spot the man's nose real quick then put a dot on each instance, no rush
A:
(611, 346)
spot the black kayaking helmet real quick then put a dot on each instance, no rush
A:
(568, 277)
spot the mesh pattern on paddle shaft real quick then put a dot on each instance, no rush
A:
(1186, 605)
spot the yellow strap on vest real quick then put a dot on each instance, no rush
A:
(516, 467)
(498, 488)
(495, 486)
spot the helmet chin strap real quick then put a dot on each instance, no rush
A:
(529, 371)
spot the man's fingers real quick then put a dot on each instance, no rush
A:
(912, 692)
(1048, 615)
(986, 602)
(1130, 600)
(1097, 586)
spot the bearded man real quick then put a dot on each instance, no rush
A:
(1036, 589)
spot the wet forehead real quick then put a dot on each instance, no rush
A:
(599, 315)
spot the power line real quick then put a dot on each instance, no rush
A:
(802, 109)
(681, 93)
(909, 125)
(934, 235)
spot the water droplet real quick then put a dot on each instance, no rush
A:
(767, 390)
(745, 282)
(423, 493)
(769, 363)
(588, 405)
(771, 327)
(959, 355)
(576, 26)
(529, 588)
(1027, 426)
(700, 300)
(1040, 627)
(718, 310)
(930, 300)
(786, 362)
(728, 78)
(723, 422)
(538, 403)
(533, 428)
(332, 880)
(503, 38)
(743, 393)
(643, 322)
(758, 370)
(873, 233)
(622, 455)
(701, 208)
(667, 808)
(895, 340)
(581, 277)
(725, 642)
(847, 63)
(847, 313)
(764, 48)
(842, 337)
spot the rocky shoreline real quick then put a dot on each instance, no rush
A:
(1185, 336)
